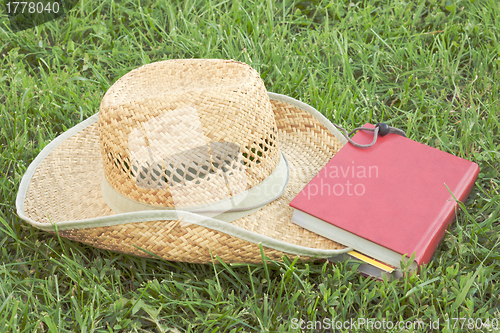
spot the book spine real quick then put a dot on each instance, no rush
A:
(425, 249)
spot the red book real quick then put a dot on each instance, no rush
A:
(386, 201)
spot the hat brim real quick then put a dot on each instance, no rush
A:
(61, 191)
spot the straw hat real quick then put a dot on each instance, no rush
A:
(186, 160)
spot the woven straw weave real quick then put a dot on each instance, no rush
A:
(246, 136)
(80, 186)
(157, 133)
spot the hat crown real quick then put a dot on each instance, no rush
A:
(182, 133)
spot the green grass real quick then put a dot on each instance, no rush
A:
(430, 67)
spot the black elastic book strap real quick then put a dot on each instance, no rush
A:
(381, 129)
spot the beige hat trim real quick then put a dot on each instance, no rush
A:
(156, 215)
(242, 203)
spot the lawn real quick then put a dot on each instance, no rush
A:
(431, 68)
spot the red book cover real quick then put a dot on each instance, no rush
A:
(393, 194)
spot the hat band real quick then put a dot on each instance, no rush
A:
(229, 209)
